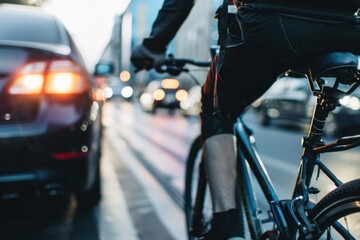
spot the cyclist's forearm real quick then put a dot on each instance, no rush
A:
(171, 16)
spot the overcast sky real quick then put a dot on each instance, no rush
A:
(89, 22)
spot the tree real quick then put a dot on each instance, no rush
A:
(37, 3)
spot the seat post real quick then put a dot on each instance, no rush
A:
(324, 105)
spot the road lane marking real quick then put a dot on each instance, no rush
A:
(113, 207)
(169, 213)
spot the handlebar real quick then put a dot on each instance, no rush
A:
(175, 66)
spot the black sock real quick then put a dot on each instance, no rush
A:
(229, 223)
(220, 217)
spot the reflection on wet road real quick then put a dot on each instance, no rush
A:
(143, 169)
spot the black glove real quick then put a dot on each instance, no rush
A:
(144, 58)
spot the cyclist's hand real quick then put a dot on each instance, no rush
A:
(144, 58)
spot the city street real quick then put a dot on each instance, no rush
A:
(143, 169)
(94, 144)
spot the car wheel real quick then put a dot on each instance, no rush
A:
(331, 128)
(92, 196)
(264, 118)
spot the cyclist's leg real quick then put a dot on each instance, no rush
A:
(218, 146)
(220, 163)
(221, 174)
(223, 99)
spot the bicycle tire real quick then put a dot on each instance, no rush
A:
(197, 220)
(337, 205)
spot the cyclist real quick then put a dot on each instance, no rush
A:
(270, 43)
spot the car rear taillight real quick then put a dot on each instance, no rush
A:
(64, 83)
(53, 77)
(30, 79)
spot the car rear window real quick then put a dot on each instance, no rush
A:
(29, 27)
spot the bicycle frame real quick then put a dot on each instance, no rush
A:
(250, 155)
(289, 215)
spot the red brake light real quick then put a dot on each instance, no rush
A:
(68, 155)
(64, 82)
(30, 79)
(28, 84)
(55, 77)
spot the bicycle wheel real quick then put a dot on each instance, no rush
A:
(337, 215)
(198, 205)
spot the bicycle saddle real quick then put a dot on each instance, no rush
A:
(333, 62)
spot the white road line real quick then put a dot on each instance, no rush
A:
(113, 207)
(169, 213)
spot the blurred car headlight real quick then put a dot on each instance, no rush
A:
(186, 104)
(170, 83)
(350, 102)
(181, 95)
(159, 94)
(127, 92)
(124, 76)
(273, 113)
(108, 92)
(146, 99)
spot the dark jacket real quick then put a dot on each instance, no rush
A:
(172, 14)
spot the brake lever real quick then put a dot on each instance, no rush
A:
(171, 66)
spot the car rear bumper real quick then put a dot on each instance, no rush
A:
(48, 179)
(64, 157)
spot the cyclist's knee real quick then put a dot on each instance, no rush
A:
(212, 125)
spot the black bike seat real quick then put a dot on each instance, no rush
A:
(334, 61)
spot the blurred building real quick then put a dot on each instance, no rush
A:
(193, 40)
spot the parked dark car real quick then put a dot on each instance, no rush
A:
(50, 128)
(163, 93)
(290, 101)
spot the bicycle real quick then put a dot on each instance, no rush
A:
(297, 217)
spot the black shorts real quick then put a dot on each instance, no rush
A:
(272, 44)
